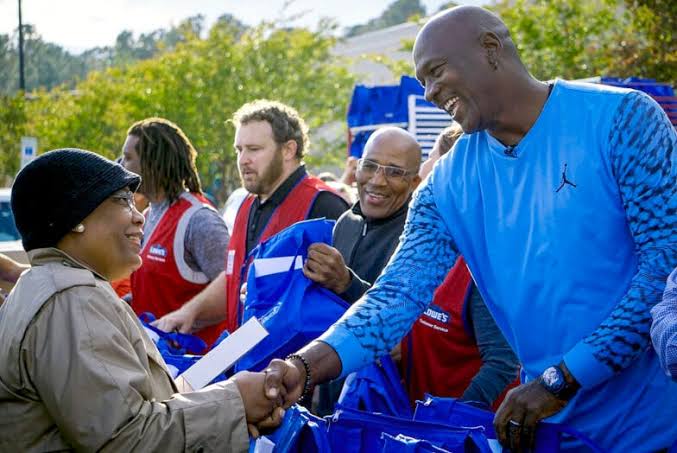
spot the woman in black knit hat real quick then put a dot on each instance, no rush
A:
(77, 370)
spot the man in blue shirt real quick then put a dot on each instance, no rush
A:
(561, 197)
(664, 327)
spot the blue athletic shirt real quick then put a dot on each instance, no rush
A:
(570, 239)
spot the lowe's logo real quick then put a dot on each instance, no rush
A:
(437, 314)
(158, 250)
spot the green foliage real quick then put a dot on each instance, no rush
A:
(446, 5)
(198, 85)
(396, 67)
(648, 43)
(398, 12)
(573, 39)
(12, 127)
(48, 65)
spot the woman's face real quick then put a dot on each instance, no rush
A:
(111, 241)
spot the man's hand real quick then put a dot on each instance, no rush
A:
(325, 266)
(181, 320)
(260, 411)
(284, 379)
(243, 293)
(523, 407)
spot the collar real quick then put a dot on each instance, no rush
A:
(281, 193)
(357, 210)
(42, 256)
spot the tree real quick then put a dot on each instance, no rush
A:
(446, 5)
(573, 39)
(199, 84)
(49, 65)
(12, 126)
(396, 13)
(648, 42)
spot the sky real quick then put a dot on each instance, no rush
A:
(81, 24)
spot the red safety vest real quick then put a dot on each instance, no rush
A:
(294, 208)
(165, 281)
(440, 355)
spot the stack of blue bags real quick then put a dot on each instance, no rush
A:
(373, 415)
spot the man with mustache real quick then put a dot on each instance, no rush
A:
(270, 141)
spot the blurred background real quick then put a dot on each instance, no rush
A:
(92, 68)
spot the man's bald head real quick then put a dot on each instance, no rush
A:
(387, 174)
(462, 28)
(467, 62)
(399, 141)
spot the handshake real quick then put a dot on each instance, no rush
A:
(267, 394)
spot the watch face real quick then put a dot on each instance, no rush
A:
(553, 379)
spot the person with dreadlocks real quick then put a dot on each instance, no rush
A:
(185, 239)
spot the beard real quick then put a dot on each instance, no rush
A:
(265, 181)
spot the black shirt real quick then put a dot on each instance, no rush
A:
(327, 204)
(366, 246)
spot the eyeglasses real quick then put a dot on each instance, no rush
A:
(369, 167)
(124, 199)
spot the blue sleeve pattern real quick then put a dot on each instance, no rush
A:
(643, 146)
(374, 324)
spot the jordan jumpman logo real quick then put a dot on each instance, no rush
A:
(565, 181)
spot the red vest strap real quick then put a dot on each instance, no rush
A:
(165, 282)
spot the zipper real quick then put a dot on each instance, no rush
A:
(357, 243)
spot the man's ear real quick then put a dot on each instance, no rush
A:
(492, 46)
(416, 180)
(289, 150)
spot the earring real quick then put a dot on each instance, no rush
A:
(492, 60)
(79, 228)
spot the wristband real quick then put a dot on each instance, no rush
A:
(306, 366)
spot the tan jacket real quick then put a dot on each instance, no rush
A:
(77, 371)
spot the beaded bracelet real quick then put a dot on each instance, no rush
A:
(306, 386)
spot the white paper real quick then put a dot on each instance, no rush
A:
(264, 445)
(225, 354)
(269, 266)
(152, 334)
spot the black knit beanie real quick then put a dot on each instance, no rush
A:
(57, 190)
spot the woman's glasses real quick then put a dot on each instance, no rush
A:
(124, 198)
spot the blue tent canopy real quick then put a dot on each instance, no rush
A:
(391, 105)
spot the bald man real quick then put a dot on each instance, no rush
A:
(366, 235)
(561, 197)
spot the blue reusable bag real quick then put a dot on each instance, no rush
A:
(376, 388)
(179, 351)
(173, 342)
(300, 432)
(293, 309)
(353, 431)
(405, 444)
(450, 411)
